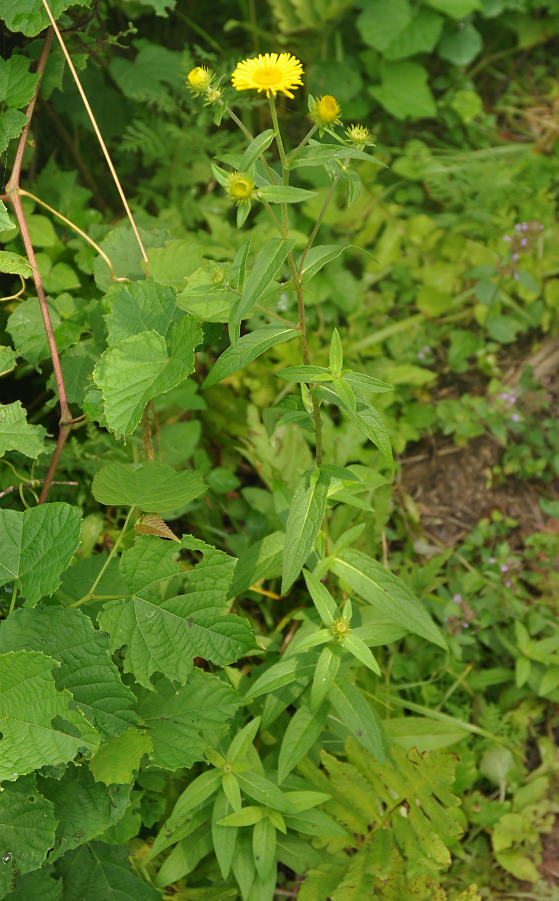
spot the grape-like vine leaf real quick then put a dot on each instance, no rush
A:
(27, 828)
(162, 634)
(18, 434)
(97, 870)
(38, 724)
(37, 546)
(86, 669)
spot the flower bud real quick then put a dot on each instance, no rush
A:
(325, 110)
(240, 187)
(199, 80)
(358, 136)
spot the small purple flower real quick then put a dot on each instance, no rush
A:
(507, 238)
(420, 356)
(508, 584)
(504, 567)
(516, 276)
(515, 255)
(515, 417)
(457, 598)
(523, 242)
(518, 227)
(491, 560)
(525, 226)
(465, 625)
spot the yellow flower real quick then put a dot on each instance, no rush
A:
(199, 79)
(240, 187)
(270, 73)
(358, 135)
(325, 110)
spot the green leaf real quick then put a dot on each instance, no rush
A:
(36, 884)
(247, 349)
(224, 838)
(345, 394)
(303, 525)
(266, 265)
(37, 546)
(387, 594)
(18, 434)
(263, 560)
(39, 724)
(197, 621)
(15, 264)
(326, 671)
(194, 795)
(243, 739)
(97, 870)
(82, 807)
(140, 307)
(300, 736)
(422, 733)
(356, 646)
(285, 194)
(318, 257)
(460, 45)
(256, 147)
(238, 266)
(322, 599)
(265, 792)
(27, 328)
(336, 358)
(282, 673)
(419, 36)
(153, 487)
(317, 154)
(86, 669)
(27, 829)
(379, 24)
(138, 369)
(119, 758)
(248, 816)
(17, 83)
(8, 358)
(356, 713)
(458, 9)
(11, 126)
(363, 382)
(404, 91)
(264, 847)
(305, 374)
(6, 223)
(179, 720)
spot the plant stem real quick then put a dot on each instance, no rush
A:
(233, 116)
(318, 222)
(277, 131)
(291, 156)
(89, 596)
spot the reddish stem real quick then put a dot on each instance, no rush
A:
(12, 195)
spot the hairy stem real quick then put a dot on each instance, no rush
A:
(318, 222)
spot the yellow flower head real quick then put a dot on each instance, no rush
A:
(199, 79)
(358, 136)
(240, 187)
(270, 73)
(325, 110)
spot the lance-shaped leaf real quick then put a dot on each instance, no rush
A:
(266, 265)
(284, 194)
(98, 870)
(356, 713)
(300, 736)
(27, 828)
(388, 594)
(85, 670)
(18, 434)
(316, 154)
(153, 487)
(262, 560)
(303, 524)
(138, 369)
(318, 257)
(165, 635)
(38, 726)
(179, 720)
(247, 349)
(37, 546)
